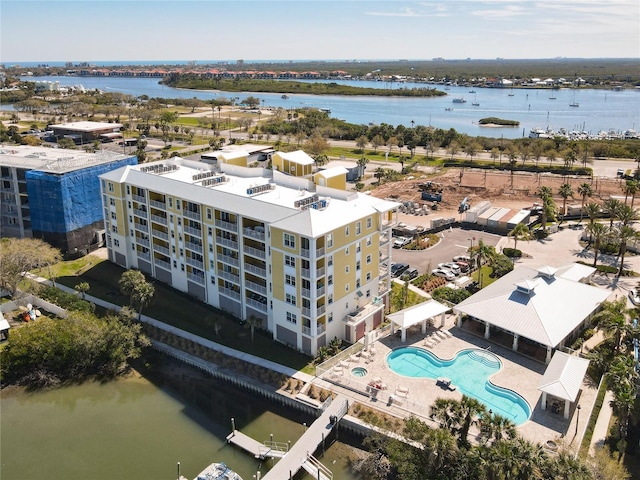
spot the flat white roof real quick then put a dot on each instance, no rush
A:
(54, 160)
(87, 126)
(417, 313)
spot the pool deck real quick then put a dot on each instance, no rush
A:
(416, 395)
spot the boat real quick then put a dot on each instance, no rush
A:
(324, 110)
(459, 100)
(573, 102)
(218, 471)
(472, 91)
(448, 109)
(284, 96)
(475, 101)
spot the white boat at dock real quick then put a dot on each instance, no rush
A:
(218, 471)
(459, 100)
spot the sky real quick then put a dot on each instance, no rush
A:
(230, 30)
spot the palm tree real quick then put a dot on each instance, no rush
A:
(483, 253)
(495, 427)
(443, 412)
(612, 319)
(624, 234)
(520, 232)
(565, 192)
(584, 190)
(612, 207)
(469, 410)
(626, 214)
(593, 212)
(623, 403)
(379, 174)
(630, 188)
(546, 195)
(597, 233)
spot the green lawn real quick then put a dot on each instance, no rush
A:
(184, 312)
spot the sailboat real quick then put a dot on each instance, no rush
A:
(573, 102)
(511, 92)
(475, 102)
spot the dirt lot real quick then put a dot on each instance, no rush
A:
(501, 189)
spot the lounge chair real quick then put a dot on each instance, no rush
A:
(402, 392)
(441, 335)
(447, 333)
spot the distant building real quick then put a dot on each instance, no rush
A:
(54, 194)
(310, 261)
(87, 132)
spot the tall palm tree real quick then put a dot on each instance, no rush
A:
(630, 188)
(483, 253)
(597, 233)
(612, 207)
(593, 211)
(443, 412)
(470, 411)
(626, 214)
(546, 195)
(495, 427)
(520, 232)
(612, 319)
(625, 233)
(565, 192)
(584, 190)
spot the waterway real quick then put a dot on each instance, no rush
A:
(598, 110)
(137, 429)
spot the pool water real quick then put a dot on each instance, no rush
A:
(359, 372)
(469, 371)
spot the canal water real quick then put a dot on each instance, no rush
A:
(135, 428)
(598, 110)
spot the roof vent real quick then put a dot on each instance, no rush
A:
(526, 286)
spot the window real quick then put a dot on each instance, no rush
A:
(330, 240)
(368, 276)
(128, 190)
(289, 240)
(358, 247)
(346, 251)
(114, 228)
(358, 283)
(116, 243)
(368, 259)
(330, 280)
(113, 215)
(178, 204)
(210, 231)
(358, 228)
(209, 215)
(170, 202)
(346, 269)
(346, 231)
(290, 280)
(368, 241)
(368, 294)
(291, 299)
(330, 298)
(112, 201)
(290, 261)
(330, 317)
(357, 265)
(346, 287)
(330, 261)
(213, 280)
(369, 222)
(111, 186)
(291, 318)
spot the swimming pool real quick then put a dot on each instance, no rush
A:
(469, 371)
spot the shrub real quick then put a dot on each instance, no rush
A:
(512, 252)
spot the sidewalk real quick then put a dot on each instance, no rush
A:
(601, 428)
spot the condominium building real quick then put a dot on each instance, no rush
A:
(54, 194)
(310, 261)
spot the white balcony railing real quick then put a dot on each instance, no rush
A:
(227, 292)
(262, 272)
(229, 260)
(159, 234)
(191, 215)
(255, 252)
(232, 227)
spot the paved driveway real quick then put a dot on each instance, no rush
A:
(453, 242)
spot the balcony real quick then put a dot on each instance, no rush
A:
(305, 292)
(320, 272)
(157, 204)
(319, 252)
(193, 231)
(195, 277)
(229, 260)
(193, 246)
(261, 272)
(306, 253)
(249, 232)
(320, 291)
(159, 219)
(321, 309)
(306, 311)
(227, 292)
(143, 241)
(140, 213)
(226, 242)
(138, 198)
(255, 304)
(191, 215)
(141, 227)
(305, 272)
(255, 287)
(194, 263)
(255, 252)
(319, 330)
(232, 227)
(229, 276)
(363, 313)
(162, 263)
(161, 249)
(159, 234)
(144, 256)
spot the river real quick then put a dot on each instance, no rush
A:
(598, 110)
(138, 429)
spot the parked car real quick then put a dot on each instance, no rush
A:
(398, 269)
(409, 274)
(454, 267)
(444, 273)
(464, 267)
(634, 297)
(400, 242)
(462, 258)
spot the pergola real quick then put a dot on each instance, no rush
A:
(418, 314)
(562, 379)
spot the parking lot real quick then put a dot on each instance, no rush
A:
(453, 242)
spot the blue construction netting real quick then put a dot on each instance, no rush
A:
(66, 202)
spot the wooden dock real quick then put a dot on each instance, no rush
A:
(300, 454)
(255, 448)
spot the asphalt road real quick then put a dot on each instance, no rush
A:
(454, 242)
